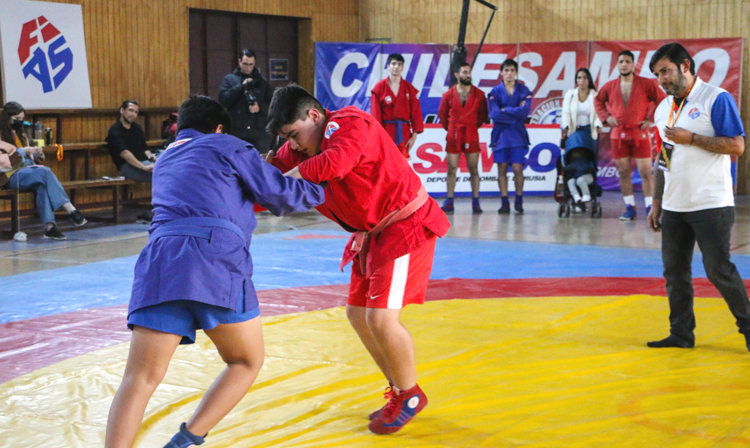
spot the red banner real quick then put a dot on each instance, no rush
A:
(486, 71)
(717, 61)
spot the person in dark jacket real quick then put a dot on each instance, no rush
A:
(247, 94)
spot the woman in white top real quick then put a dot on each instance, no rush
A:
(581, 126)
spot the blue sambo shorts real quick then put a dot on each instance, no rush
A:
(183, 317)
(510, 155)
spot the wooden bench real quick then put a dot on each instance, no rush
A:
(72, 151)
(117, 187)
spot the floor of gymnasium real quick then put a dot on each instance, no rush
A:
(534, 334)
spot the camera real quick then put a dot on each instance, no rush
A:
(250, 92)
(251, 100)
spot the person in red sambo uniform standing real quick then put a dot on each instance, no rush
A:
(395, 104)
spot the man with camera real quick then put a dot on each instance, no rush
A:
(246, 94)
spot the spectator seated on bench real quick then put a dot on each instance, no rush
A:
(19, 170)
(128, 148)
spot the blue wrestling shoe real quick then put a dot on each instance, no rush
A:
(475, 208)
(448, 205)
(519, 205)
(505, 208)
(402, 406)
(184, 439)
(629, 214)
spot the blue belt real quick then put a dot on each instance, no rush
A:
(197, 227)
(399, 129)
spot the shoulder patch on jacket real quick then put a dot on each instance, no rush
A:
(330, 129)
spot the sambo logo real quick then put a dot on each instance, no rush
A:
(36, 36)
(547, 112)
(330, 129)
(694, 113)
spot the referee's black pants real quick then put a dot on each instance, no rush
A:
(711, 228)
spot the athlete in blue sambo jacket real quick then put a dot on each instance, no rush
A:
(196, 270)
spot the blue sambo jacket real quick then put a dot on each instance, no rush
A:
(204, 187)
(508, 116)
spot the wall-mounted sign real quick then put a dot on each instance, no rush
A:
(278, 69)
(43, 55)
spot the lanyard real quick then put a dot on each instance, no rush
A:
(671, 123)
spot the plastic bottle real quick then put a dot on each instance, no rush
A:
(38, 130)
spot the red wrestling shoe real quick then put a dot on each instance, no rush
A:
(388, 393)
(402, 406)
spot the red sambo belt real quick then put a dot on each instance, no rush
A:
(359, 243)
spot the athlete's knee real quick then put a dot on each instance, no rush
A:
(250, 360)
(379, 321)
(518, 169)
(473, 171)
(143, 378)
(645, 173)
(356, 316)
(452, 169)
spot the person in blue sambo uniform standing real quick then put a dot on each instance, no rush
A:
(509, 104)
(196, 270)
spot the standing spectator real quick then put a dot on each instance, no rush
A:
(509, 105)
(581, 127)
(395, 104)
(24, 174)
(627, 104)
(463, 110)
(246, 94)
(693, 199)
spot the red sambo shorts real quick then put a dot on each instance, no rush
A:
(633, 143)
(395, 284)
(455, 147)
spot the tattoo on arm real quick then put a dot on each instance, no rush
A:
(720, 145)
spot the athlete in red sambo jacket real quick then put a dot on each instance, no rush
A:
(371, 191)
(395, 104)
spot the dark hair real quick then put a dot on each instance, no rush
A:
(127, 103)
(588, 75)
(464, 64)
(394, 57)
(509, 63)
(247, 52)
(203, 114)
(288, 105)
(626, 53)
(676, 53)
(7, 134)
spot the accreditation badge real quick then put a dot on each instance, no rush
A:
(665, 157)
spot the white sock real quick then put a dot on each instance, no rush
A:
(69, 207)
(576, 197)
(648, 201)
(586, 198)
(629, 200)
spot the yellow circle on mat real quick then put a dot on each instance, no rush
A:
(548, 371)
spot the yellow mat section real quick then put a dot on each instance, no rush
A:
(546, 372)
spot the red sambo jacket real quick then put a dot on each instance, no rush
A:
(368, 178)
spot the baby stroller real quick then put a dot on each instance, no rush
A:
(574, 161)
